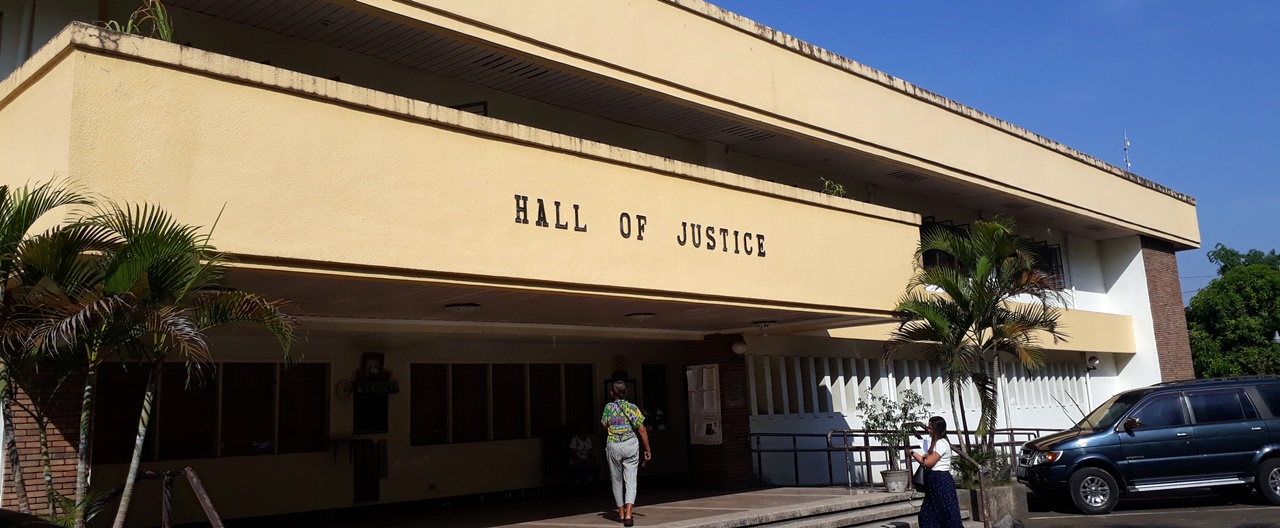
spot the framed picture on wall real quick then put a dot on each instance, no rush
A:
(372, 366)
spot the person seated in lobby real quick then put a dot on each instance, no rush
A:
(582, 456)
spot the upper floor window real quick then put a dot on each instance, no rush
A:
(1048, 256)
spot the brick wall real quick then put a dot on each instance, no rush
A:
(725, 466)
(1167, 314)
(63, 415)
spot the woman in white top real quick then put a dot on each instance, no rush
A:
(941, 508)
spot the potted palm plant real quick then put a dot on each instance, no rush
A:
(886, 420)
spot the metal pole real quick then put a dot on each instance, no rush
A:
(203, 497)
(166, 503)
(866, 457)
(795, 459)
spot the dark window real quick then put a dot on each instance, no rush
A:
(1164, 411)
(470, 388)
(934, 258)
(508, 402)
(429, 404)
(478, 108)
(186, 418)
(1271, 396)
(1048, 256)
(655, 388)
(115, 415)
(655, 395)
(188, 413)
(1048, 260)
(544, 400)
(1217, 406)
(304, 408)
(481, 402)
(248, 408)
(579, 396)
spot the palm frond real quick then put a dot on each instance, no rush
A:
(216, 308)
(60, 326)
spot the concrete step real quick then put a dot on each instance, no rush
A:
(867, 516)
(844, 510)
(894, 515)
(912, 521)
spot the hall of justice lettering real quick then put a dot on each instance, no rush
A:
(522, 214)
(742, 242)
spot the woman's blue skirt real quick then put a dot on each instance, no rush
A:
(941, 508)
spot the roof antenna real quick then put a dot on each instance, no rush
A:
(1127, 166)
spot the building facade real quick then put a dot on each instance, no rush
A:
(482, 211)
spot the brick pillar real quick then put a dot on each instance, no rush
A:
(1167, 313)
(728, 465)
(63, 413)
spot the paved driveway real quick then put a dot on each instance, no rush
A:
(1164, 511)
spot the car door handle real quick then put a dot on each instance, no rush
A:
(1180, 435)
(1256, 429)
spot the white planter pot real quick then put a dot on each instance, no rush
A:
(896, 480)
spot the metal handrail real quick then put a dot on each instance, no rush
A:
(843, 440)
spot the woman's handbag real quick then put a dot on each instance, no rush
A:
(920, 479)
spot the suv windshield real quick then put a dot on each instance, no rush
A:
(1107, 414)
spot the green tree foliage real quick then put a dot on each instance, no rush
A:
(1232, 320)
(1228, 259)
(889, 418)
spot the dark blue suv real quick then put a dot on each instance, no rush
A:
(1222, 433)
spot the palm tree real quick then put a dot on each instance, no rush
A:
(21, 209)
(61, 284)
(158, 288)
(963, 315)
(939, 328)
(175, 279)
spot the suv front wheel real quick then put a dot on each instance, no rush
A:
(1093, 490)
(1269, 480)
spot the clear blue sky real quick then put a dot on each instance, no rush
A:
(1195, 83)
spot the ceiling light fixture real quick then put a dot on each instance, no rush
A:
(462, 308)
(640, 316)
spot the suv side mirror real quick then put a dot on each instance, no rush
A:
(1132, 423)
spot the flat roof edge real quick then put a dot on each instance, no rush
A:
(165, 54)
(766, 33)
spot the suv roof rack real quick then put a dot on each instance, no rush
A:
(1183, 383)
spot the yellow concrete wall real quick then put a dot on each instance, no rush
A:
(35, 124)
(273, 484)
(1087, 332)
(310, 169)
(692, 51)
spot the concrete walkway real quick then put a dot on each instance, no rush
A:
(591, 508)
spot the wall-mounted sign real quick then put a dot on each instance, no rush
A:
(704, 404)
(632, 226)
